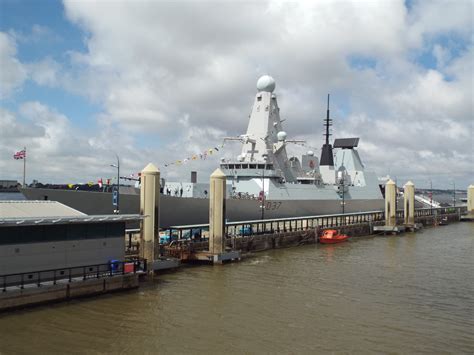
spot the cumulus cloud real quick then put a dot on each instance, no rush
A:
(57, 149)
(174, 77)
(45, 72)
(12, 72)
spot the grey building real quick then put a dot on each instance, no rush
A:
(46, 235)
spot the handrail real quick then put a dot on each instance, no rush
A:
(252, 227)
(114, 267)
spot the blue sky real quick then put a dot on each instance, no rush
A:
(44, 32)
(160, 81)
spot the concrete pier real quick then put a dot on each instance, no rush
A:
(149, 207)
(470, 205)
(216, 253)
(30, 295)
(217, 212)
(390, 210)
(470, 199)
(409, 203)
(390, 203)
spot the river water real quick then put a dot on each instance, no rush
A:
(412, 293)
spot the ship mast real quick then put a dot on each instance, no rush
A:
(326, 152)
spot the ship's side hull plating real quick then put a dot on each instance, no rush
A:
(183, 211)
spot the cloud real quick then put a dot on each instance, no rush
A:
(57, 149)
(45, 72)
(172, 78)
(12, 72)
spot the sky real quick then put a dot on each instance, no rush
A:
(82, 82)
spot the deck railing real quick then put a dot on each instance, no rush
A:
(278, 225)
(69, 274)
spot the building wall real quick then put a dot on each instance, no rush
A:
(34, 248)
(8, 183)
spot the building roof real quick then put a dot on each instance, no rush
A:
(29, 212)
(29, 208)
(34, 221)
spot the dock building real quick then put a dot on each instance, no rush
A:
(46, 235)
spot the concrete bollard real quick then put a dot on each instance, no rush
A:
(217, 212)
(409, 203)
(390, 204)
(149, 207)
(470, 199)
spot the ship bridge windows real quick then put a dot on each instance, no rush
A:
(247, 166)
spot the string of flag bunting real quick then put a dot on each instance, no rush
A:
(198, 156)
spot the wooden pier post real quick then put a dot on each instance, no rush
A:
(390, 204)
(217, 213)
(409, 203)
(149, 207)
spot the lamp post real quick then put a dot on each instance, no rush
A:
(263, 192)
(117, 166)
(343, 194)
(431, 197)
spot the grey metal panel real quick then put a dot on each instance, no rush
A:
(346, 143)
(69, 219)
(21, 208)
(19, 258)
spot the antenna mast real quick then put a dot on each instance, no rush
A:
(328, 123)
(326, 152)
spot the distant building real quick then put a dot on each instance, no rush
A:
(9, 185)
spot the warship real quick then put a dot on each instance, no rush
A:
(263, 182)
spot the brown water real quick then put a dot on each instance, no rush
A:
(400, 294)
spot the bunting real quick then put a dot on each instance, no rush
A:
(198, 156)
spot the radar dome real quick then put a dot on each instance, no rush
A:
(266, 83)
(310, 153)
(281, 136)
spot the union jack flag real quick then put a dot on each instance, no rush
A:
(20, 155)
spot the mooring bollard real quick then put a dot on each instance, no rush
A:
(470, 199)
(149, 208)
(217, 213)
(409, 203)
(390, 204)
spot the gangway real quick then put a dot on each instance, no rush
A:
(428, 202)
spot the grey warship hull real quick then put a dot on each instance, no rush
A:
(183, 211)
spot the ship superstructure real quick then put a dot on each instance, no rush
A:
(264, 169)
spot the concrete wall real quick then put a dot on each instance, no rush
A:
(17, 298)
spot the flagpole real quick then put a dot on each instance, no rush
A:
(24, 168)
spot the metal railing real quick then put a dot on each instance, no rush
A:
(69, 274)
(197, 232)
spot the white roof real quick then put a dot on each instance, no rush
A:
(34, 209)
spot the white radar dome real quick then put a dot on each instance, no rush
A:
(281, 136)
(310, 153)
(266, 83)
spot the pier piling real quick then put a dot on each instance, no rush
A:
(149, 207)
(217, 213)
(470, 199)
(409, 204)
(390, 204)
